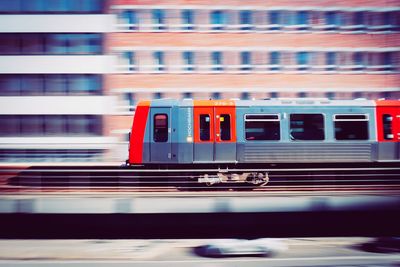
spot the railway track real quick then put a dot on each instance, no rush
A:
(111, 180)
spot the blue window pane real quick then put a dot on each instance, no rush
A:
(57, 6)
(245, 96)
(187, 95)
(92, 6)
(84, 84)
(33, 5)
(159, 19)
(188, 19)
(9, 44)
(302, 19)
(274, 59)
(56, 84)
(331, 60)
(188, 58)
(303, 60)
(274, 17)
(130, 17)
(245, 58)
(216, 58)
(332, 19)
(357, 57)
(10, 84)
(358, 60)
(246, 17)
(217, 18)
(387, 58)
(216, 95)
(129, 59)
(93, 43)
(159, 60)
(359, 18)
(11, 6)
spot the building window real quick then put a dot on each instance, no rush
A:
(246, 20)
(330, 61)
(330, 95)
(53, 6)
(130, 17)
(358, 59)
(37, 44)
(303, 60)
(225, 127)
(187, 95)
(128, 60)
(158, 19)
(50, 125)
(275, 61)
(50, 84)
(160, 128)
(262, 127)
(188, 59)
(306, 127)
(332, 20)
(216, 58)
(359, 20)
(245, 58)
(216, 95)
(302, 20)
(301, 94)
(387, 61)
(275, 20)
(217, 20)
(159, 60)
(204, 127)
(158, 95)
(245, 96)
(351, 127)
(130, 98)
(188, 19)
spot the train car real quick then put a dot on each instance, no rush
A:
(224, 134)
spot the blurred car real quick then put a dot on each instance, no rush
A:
(383, 245)
(240, 247)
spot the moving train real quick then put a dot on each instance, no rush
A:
(225, 134)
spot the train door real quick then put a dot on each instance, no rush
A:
(215, 134)
(160, 144)
(203, 134)
(225, 134)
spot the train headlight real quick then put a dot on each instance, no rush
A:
(189, 139)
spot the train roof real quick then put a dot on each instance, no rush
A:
(274, 102)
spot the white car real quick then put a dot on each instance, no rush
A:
(242, 247)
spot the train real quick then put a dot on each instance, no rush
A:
(224, 134)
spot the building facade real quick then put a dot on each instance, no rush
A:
(72, 71)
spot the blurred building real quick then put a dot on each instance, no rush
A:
(71, 71)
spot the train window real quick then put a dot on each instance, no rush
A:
(160, 128)
(262, 127)
(351, 127)
(225, 127)
(204, 127)
(387, 126)
(306, 127)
